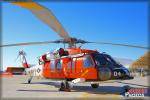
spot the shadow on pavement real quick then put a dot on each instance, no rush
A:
(37, 90)
(100, 90)
(133, 84)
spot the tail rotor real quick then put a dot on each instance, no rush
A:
(22, 57)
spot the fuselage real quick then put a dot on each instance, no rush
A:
(82, 63)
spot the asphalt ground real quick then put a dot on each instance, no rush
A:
(16, 87)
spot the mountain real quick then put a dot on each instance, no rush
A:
(124, 61)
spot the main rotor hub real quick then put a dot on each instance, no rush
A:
(73, 41)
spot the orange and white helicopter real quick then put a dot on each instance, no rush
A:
(72, 64)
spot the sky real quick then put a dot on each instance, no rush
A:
(116, 22)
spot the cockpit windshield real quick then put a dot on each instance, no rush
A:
(104, 59)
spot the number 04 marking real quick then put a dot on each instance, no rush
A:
(117, 73)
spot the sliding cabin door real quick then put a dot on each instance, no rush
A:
(81, 67)
(75, 67)
(56, 69)
(71, 68)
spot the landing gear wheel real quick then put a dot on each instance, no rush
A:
(62, 86)
(94, 85)
(29, 80)
(65, 86)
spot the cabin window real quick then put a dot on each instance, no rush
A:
(69, 65)
(59, 65)
(52, 64)
(73, 63)
(87, 61)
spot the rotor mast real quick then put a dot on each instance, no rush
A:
(72, 42)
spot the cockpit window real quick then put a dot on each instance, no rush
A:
(109, 58)
(104, 59)
(100, 59)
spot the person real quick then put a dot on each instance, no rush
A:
(141, 72)
(61, 52)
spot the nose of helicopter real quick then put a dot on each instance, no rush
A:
(122, 73)
(116, 73)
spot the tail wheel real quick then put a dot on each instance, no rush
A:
(94, 85)
(29, 81)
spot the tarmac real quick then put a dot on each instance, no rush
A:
(16, 87)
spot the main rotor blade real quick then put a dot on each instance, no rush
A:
(77, 41)
(117, 44)
(46, 16)
(27, 43)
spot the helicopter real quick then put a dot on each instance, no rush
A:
(73, 64)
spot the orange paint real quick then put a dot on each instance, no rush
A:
(28, 5)
(6, 74)
(68, 70)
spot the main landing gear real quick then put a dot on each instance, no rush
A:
(65, 86)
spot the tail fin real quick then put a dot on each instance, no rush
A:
(22, 55)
